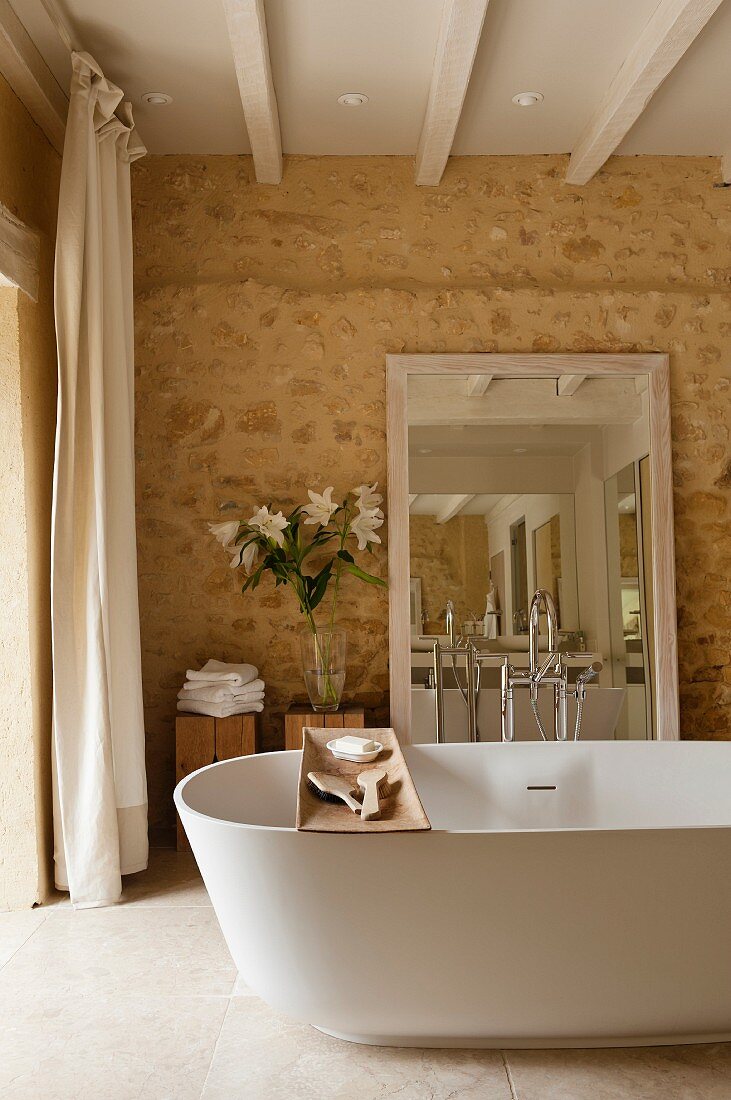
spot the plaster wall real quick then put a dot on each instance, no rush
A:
(29, 175)
(263, 318)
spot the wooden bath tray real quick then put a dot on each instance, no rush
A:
(401, 809)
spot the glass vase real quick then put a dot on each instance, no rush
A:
(323, 665)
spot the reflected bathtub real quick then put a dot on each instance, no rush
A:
(567, 895)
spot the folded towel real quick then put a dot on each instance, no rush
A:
(219, 710)
(220, 692)
(221, 673)
(215, 695)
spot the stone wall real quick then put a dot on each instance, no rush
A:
(628, 563)
(453, 562)
(263, 318)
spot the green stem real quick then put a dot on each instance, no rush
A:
(336, 588)
(329, 692)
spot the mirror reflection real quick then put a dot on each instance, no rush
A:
(521, 485)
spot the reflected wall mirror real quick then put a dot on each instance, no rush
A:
(511, 473)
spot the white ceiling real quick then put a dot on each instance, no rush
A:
(496, 442)
(567, 49)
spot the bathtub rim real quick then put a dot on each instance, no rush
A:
(182, 806)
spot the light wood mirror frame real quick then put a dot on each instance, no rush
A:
(654, 367)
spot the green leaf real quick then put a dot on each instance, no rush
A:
(344, 555)
(363, 576)
(321, 582)
(280, 571)
(253, 581)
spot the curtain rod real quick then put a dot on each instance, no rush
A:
(61, 25)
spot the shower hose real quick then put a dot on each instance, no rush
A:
(539, 720)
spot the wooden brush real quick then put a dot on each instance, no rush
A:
(373, 783)
(333, 788)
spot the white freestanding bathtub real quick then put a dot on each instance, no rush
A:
(567, 895)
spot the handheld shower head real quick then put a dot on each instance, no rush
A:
(589, 673)
(581, 681)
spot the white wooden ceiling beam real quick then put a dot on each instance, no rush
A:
(726, 168)
(30, 78)
(248, 34)
(568, 384)
(672, 28)
(459, 36)
(477, 384)
(413, 497)
(454, 505)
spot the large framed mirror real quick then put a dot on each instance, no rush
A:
(511, 473)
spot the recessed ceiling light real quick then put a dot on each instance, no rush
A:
(520, 450)
(353, 99)
(157, 99)
(527, 99)
(424, 451)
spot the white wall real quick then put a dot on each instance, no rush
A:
(537, 509)
(620, 444)
(625, 443)
(591, 554)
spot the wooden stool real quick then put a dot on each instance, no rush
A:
(296, 718)
(201, 740)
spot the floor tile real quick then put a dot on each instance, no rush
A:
(16, 928)
(172, 878)
(107, 1048)
(264, 1056)
(632, 1073)
(166, 951)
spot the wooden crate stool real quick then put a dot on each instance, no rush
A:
(201, 740)
(297, 718)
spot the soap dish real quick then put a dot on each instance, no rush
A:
(359, 758)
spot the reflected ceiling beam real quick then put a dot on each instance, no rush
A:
(459, 36)
(672, 28)
(248, 33)
(477, 384)
(568, 384)
(30, 78)
(502, 506)
(454, 506)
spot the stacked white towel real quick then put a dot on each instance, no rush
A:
(222, 689)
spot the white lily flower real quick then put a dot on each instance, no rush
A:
(271, 524)
(368, 499)
(248, 557)
(322, 507)
(363, 527)
(225, 532)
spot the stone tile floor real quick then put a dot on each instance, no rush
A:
(142, 1001)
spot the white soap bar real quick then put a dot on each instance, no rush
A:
(354, 745)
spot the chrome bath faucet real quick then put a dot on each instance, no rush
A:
(552, 674)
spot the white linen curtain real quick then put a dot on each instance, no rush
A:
(100, 788)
